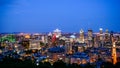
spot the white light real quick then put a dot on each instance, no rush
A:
(47, 56)
(15, 46)
(114, 44)
(57, 36)
(101, 29)
(37, 60)
(37, 64)
(72, 36)
(18, 52)
(61, 58)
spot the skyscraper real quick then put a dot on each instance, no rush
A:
(90, 36)
(81, 40)
(114, 55)
(101, 37)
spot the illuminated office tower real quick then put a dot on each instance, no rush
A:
(107, 32)
(101, 34)
(101, 37)
(72, 38)
(81, 40)
(67, 47)
(96, 41)
(43, 38)
(107, 38)
(101, 30)
(90, 35)
(114, 55)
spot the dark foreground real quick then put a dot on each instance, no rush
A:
(17, 63)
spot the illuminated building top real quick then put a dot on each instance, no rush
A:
(81, 31)
(57, 30)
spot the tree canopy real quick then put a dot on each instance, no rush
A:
(9, 38)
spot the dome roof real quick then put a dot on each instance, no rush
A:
(57, 30)
(72, 36)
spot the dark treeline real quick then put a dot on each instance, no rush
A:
(17, 63)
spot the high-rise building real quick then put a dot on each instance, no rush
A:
(101, 37)
(81, 40)
(90, 34)
(107, 36)
(114, 55)
(101, 34)
(43, 38)
(101, 30)
(90, 38)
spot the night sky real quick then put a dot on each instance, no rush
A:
(67, 15)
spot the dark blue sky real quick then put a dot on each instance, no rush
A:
(67, 15)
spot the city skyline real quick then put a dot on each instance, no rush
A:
(69, 16)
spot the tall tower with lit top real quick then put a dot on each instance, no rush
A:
(101, 37)
(81, 40)
(107, 33)
(101, 34)
(114, 55)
